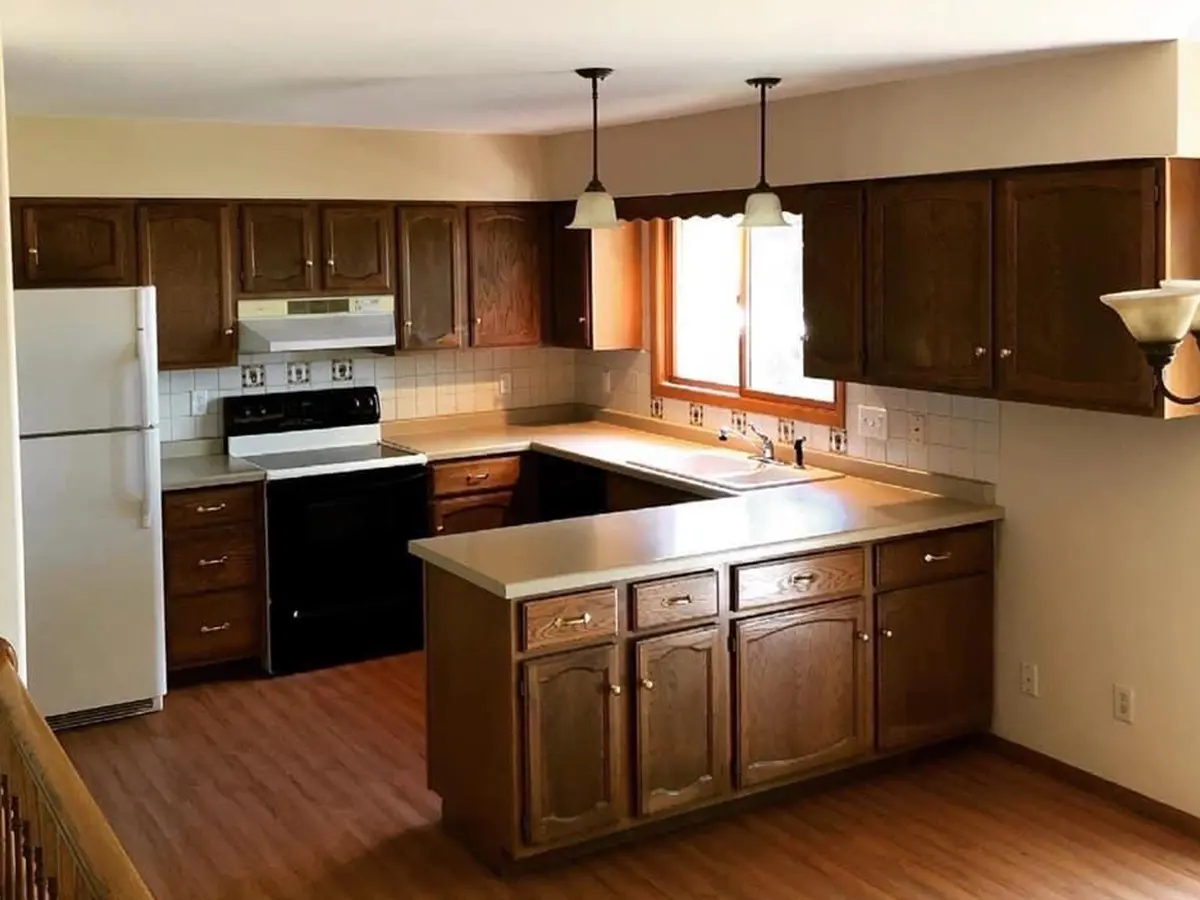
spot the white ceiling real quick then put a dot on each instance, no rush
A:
(505, 65)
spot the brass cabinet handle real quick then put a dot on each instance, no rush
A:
(210, 509)
(408, 323)
(647, 684)
(615, 690)
(668, 602)
(574, 621)
(1005, 353)
(219, 561)
(582, 319)
(803, 578)
(981, 351)
(863, 636)
(937, 557)
(32, 251)
(440, 528)
(330, 262)
(308, 263)
(209, 629)
(229, 331)
(887, 632)
(478, 476)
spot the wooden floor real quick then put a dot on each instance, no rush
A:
(312, 787)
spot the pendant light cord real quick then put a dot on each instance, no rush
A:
(595, 185)
(762, 138)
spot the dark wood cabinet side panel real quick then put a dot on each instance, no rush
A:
(834, 227)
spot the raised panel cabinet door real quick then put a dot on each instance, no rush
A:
(278, 247)
(935, 661)
(682, 733)
(85, 244)
(574, 764)
(505, 274)
(571, 284)
(478, 512)
(834, 229)
(802, 690)
(432, 275)
(1063, 239)
(357, 244)
(929, 283)
(184, 251)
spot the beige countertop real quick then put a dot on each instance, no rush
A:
(184, 472)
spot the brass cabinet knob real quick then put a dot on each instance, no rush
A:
(582, 320)
(308, 262)
(864, 637)
(887, 632)
(615, 689)
(647, 684)
(440, 529)
(981, 351)
(229, 331)
(1005, 353)
(479, 321)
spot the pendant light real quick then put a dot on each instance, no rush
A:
(595, 207)
(763, 209)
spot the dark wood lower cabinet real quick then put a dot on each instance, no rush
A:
(803, 690)
(682, 719)
(935, 661)
(477, 512)
(574, 761)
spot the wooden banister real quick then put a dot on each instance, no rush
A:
(55, 844)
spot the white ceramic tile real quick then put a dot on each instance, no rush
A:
(181, 405)
(876, 450)
(406, 403)
(257, 391)
(385, 385)
(897, 424)
(426, 403)
(276, 375)
(987, 467)
(208, 426)
(321, 372)
(485, 398)
(962, 434)
(164, 406)
(164, 382)
(521, 379)
(939, 404)
(464, 361)
(897, 452)
(502, 357)
(182, 380)
(918, 401)
(446, 404)
(521, 398)
(987, 409)
(856, 446)
(164, 430)
(918, 456)
(939, 459)
(229, 378)
(364, 367)
(426, 362)
(464, 379)
(426, 381)
(818, 437)
(183, 429)
(938, 430)
(206, 379)
(484, 360)
(855, 393)
(675, 411)
(962, 407)
(987, 437)
(387, 408)
(464, 399)
(404, 364)
(445, 360)
(893, 398)
(962, 463)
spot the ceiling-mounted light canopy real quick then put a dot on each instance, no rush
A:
(763, 209)
(595, 207)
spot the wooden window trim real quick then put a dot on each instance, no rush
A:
(664, 383)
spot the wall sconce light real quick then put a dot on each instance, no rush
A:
(1159, 319)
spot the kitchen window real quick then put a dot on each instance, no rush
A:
(729, 319)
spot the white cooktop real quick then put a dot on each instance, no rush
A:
(321, 451)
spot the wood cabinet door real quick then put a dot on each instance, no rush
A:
(929, 283)
(571, 284)
(278, 247)
(802, 691)
(357, 244)
(573, 738)
(84, 244)
(477, 512)
(1063, 239)
(184, 251)
(505, 274)
(834, 228)
(682, 733)
(935, 661)
(432, 275)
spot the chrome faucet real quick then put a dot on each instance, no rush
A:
(766, 451)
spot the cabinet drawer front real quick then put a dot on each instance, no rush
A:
(674, 600)
(807, 579)
(933, 557)
(210, 506)
(215, 559)
(214, 628)
(496, 473)
(571, 619)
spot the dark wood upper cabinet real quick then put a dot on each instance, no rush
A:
(802, 690)
(278, 248)
(73, 243)
(573, 743)
(432, 267)
(506, 274)
(935, 661)
(185, 252)
(682, 719)
(929, 283)
(1063, 239)
(833, 223)
(357, 243)
(596, 287)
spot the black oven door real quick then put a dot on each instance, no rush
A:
(341, 582)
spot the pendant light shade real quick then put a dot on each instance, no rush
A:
(595, 207)
(763, 209)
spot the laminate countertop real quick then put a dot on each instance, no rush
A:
(531, 560)
(186, 472)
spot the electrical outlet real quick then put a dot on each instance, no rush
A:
(1123, 703)
(1029, 680)
(837, 440)
(606, 382)
(872, 422)
(504, 387)
(916, 428)
(199, 403)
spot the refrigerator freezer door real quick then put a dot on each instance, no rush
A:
(82, 362)
(93, 573)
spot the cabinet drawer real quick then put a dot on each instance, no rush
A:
(807, 578)
(570, 619)
(674, 600)
(932, 557)
(214, 628)
(214, 559)
(210, 506)
(490, 474)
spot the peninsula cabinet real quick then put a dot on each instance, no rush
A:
(432, 262)
(506, 270)
(73, 243)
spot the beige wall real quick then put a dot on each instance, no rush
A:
(12, 564)
(1108, 104)
(1189, 98)
(139, 158)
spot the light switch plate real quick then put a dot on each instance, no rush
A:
(199, 403)
(872, 422)
(504, 385)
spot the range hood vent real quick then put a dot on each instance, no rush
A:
(329, 323)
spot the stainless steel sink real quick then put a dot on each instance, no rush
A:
(735, 473)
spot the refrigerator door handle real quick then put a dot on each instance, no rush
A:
(149, 475)
(147, 356)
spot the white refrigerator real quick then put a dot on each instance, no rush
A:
(87, 383)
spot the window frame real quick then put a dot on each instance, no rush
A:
(665, 383)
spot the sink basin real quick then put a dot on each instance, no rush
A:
(735, 473)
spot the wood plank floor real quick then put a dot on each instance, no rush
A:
(312, 787)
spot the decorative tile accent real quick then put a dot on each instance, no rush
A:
(738, 419)
(343, 370)
(787, 431)
(254, 376)
(837, 440)
(656, 408)
(696, 415)
(298, 373)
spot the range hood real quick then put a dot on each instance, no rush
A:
(327, 323)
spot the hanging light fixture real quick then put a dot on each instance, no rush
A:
(595, 207)
(1159, 319)
(763, 209)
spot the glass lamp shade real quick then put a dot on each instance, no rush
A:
(595, 209)
(1179, 284)
(1157, 315)
(763, 210)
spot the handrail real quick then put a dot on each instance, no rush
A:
(55, 843)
